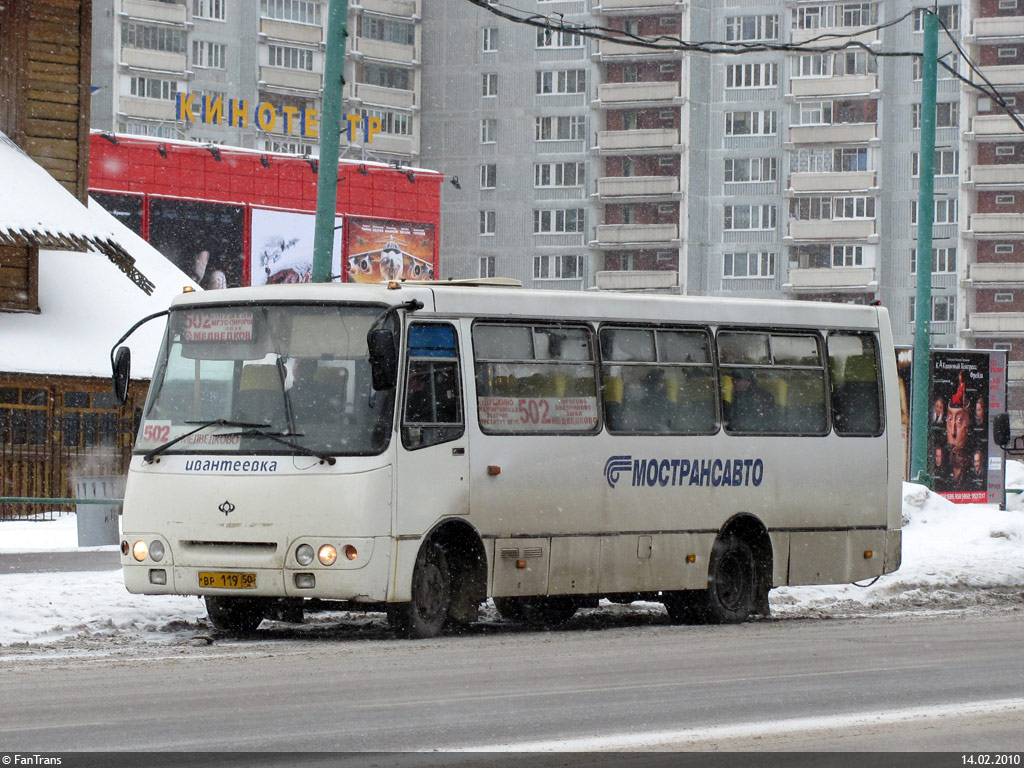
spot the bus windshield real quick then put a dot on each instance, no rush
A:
(265, 372)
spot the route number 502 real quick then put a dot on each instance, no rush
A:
(156, 433)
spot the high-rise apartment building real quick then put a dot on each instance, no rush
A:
(252, 73)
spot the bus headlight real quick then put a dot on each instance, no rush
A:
(140, 550)
(350, 552)
(304, 554)
(327, 554)
(156, 550)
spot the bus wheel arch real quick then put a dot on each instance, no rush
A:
(449, 582)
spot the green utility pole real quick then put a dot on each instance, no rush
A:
(330, 138)
(925, 219)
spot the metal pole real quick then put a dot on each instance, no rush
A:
(925, 219)
(330, 137)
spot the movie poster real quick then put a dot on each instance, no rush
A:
(203, 239)
(958, 433)
(380, 250)
(904, 369)
(282, 247)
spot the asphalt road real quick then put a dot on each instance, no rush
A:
(51, 562)
(948, 681)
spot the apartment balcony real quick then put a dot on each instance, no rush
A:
(608, 49)
(158, 61)
(996, 28)
(291, 79)
(292, 32)
(384, 97)
(407, 9)
(639, 94)
(833, 86)
(626, 235)
(613, 6)
(805, 36)
(997, 274)
(993, 125)
(840, 181)
(1007, 75)
(987, 226)
(638, 186)
(994, 176)
(149, 10)
(636, 280)
(151, 109)
(994, 324)
(846, 133)
(852, 279)
(379, 49)
(647, 141)
(832, 229)
(393, 145)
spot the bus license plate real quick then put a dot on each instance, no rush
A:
(222, 580)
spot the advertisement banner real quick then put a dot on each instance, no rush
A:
(203, 239)
(389, 250)
(282, 247)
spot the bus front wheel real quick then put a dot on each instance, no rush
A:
(425, 615)
(239, 615)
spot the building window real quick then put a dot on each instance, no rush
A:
(847, 256)
(488, 130)
(1003, 248)
(209, 9)
(943, 260)
(748, 264)
(747, 217)
(489, 39)
(951, 59)
(386, 77)
(562, 81)
(557, 267)
(490, 84)
(152, 88)
(945, 211)
(947, 163)
(762, 75)
(387, 30)
(1005, 199)
(559, 128)
(949, 16)
(943, 309)
(391, 123)
(850, 159)
(210, 55)
(558, 38)
(486, 267)
(488, 176)
(488, 222)
(750, 123)
(947, 114)
(153, 38)
(562, 220)
(1004, 298)
(1007, 5)
(835, 15)
(742, 28)
(853, 207)
(1005, 151)
(558, 174)
(301, 11)
(750, 169)
(287, 57)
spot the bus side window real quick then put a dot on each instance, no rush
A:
(856, 404)
(432, 412)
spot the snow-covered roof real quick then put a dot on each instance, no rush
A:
(85, 306)
(36, 210)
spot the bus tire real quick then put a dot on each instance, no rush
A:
(238, 615)
(732, 582)
(425, 615)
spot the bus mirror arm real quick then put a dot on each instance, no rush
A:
(383, 349)
(121, 360)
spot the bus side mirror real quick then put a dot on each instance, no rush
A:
(1001, 429)
(383, 358)
(122, 374)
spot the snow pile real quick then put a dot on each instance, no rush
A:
(954, 556)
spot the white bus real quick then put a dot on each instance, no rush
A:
(422, 447)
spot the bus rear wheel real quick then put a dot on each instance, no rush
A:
(732, 582)
(425, 615)
(239, 615)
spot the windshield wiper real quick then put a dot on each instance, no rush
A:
(150, 455)
(279, 437)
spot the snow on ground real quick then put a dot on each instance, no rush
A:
(954, 556)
